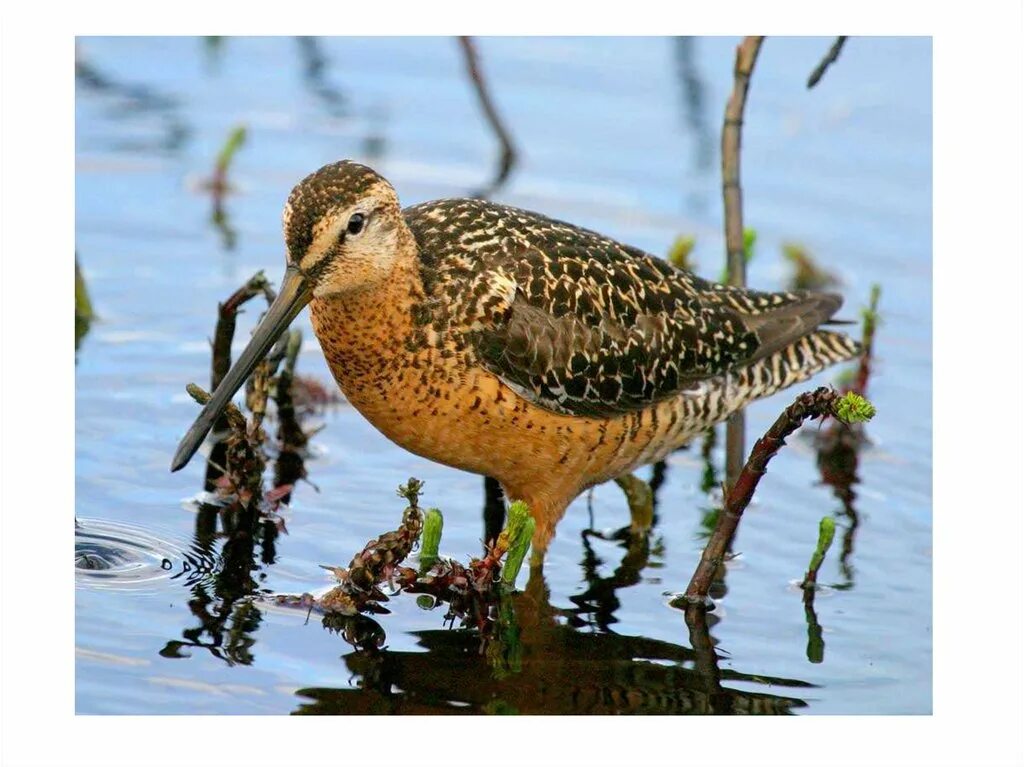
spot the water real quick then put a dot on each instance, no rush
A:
(618, 135)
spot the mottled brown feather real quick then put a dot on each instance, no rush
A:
(580, 324)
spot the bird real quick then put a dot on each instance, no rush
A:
(506, 343)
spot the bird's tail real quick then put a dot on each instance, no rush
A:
(796, 362)
(720, 397)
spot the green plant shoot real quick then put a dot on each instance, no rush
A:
(853, 408)
(227, 152)
(679, 253)
(826, 533)
(433, 524)
(749, 239)
(519, 532)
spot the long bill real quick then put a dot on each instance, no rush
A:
(294, 294)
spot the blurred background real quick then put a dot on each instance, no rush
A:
(620, 135)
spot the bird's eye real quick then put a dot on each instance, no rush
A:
(355, 224)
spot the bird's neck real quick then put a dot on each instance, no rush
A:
(364, 333)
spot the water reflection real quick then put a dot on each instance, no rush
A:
(127, 99)
(227, 616)
(314, 66)
(225, 606)
(556, 670)
(596, 605)
(536, 660)
(693, 92)
(838, 457)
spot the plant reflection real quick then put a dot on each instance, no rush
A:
(544, 666)
(223, 605)
(314, 64)
(838, 457)
(128, 99)
(537, 661)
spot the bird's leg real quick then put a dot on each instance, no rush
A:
(640, 499)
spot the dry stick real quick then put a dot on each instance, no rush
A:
(827, 61)
(508, 151)
(808, 405)
(227, 313)
(732, 195)
(224, 334)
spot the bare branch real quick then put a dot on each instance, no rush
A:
(819, 403)
(732, 195)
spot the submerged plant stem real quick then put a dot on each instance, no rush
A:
(732, 196)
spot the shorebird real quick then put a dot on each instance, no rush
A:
(509, 344)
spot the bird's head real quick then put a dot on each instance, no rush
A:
(342, 227)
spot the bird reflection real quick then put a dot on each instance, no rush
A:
(537, 661)
(543, 667)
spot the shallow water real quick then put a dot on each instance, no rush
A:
(618, 135)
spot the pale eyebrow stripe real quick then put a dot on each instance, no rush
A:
(320, 247)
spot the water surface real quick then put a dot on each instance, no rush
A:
(619, 135)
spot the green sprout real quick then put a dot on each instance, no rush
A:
(853, 408)
(807, 275)
(433, 524)
(84, 314)
(870, 314)
(519, 532)
(749, 240)
(83, 306)
(679, 253)
(227, 152)
(826, 533)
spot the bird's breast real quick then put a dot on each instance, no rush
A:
(435, 400)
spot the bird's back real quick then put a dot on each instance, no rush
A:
(582, 325)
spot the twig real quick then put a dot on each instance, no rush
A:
(227, 313)
(732, 195)
(827, 61)
(508, 151)
(289, 431)
(816, 404)
(471, 591)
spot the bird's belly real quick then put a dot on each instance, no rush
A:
(473, 421)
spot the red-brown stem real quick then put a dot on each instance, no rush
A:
(227, 313)
(864, 368)
(808, 405)
(732, 196)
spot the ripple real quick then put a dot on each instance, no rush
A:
(120, 556)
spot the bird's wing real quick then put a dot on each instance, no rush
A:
(578, 323)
